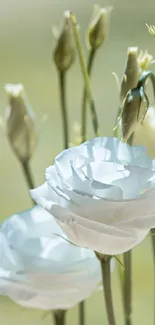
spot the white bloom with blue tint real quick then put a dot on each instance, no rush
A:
(39, 268)
(102, 194)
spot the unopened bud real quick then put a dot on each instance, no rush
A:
(135, 106)
(19, 121)
(131, 74)
(64, 52)
(98, 29)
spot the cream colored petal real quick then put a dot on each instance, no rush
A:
(100, 241)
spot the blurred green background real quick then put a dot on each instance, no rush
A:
(26, 44)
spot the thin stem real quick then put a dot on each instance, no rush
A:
(28, 176)
(127, 292)
(116, 125)
(153, 248)
(106, 278)
(84, 99)
(82, 313)
(120, 269)
(127, 286)
(59, 317)
(85, 74)
(62, 82)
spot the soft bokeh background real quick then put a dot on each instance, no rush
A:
(25, 56)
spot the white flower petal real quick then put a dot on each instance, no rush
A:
(44, 196)
(39, 268)
(102, 242)
(29, 297)
(137, 176)
(108, 211)
(106, 192)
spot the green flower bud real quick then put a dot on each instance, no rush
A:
(131, 74)
(64, 52)
(19, 121)
(134, 108)
(145, 133)
(98, 30)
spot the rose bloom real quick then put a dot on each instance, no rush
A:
(39, 268)
(102, 194)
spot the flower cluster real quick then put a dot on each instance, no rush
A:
(98, 198)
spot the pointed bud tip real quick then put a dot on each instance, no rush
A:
(133, 50)
(67, 14)
(106, 10)
(64, 52)
(13, 89)
(98, 29)
(20, 122)
(131, 74)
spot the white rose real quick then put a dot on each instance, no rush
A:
(39, 268)
(102, 194)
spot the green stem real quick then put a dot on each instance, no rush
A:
(153, 248)
(127, 286)
(62, 82)
(116, 129)
(28, 176)
(120, 269)
(59, 317)
(82, 313)
(85, 74)
(106, 278)
(84, 99)
(127, 292)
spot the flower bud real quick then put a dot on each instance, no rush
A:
(64, 52)
(135, 106)
(98, 29)
(131, 74)
(19, 120)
